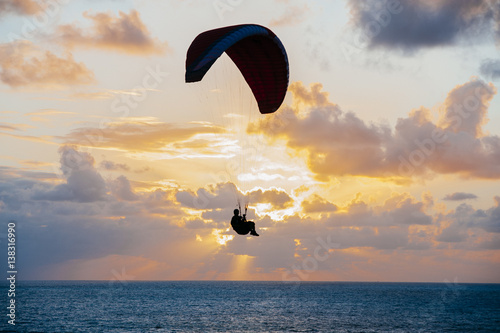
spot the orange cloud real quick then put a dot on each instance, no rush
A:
(118, 268)
(21, 7)
(44, 115)
(24, 65)
(338, 143)
(317, 204)
(143, 136)
(48, 112)
(279, 199)
(466, 107)
(126, 33)
(98, 95)
(314, 96)
(42, 139)
(104, 212)
(13, 127)
(292, 16)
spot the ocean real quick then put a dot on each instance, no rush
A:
(234, 306)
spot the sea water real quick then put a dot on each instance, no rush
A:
(222, 306)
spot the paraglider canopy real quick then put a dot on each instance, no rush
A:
(256, 51)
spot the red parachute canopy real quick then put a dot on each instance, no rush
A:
(256, 51)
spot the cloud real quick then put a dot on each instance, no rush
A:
(22, 176)
(24, 65)
(225, 196)
(112, 166)
(220, 196)
(292, 16)
(455, 233)
(72, 220)
(278, 199)
(112, 268)
(398, 210)
(144, 136)
(83, 182)
(466, 107)
(121, 189)
(125, 229)
(200, 224)
(470, 228)
(98, 95)
(491, 218)
(42, 139)
(125, 33)
(338, 143)
(13, 127)
(358, 225)
(34, 163)
(44, 115)
(411, 25)
(404, 210)
(317, 204)
(496, 18)
(20, 7)
(457, 196)
(490, 68)
(48, 112)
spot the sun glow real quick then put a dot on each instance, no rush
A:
(220, 238)
(240, 267)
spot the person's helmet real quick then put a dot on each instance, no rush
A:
(236, 212)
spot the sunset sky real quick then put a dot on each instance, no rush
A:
(382, 164)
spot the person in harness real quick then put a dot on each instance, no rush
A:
(241, 225)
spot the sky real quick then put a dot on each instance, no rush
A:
(382, 163)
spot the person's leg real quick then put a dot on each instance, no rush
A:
(252, 228)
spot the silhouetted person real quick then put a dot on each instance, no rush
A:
(241, 225)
